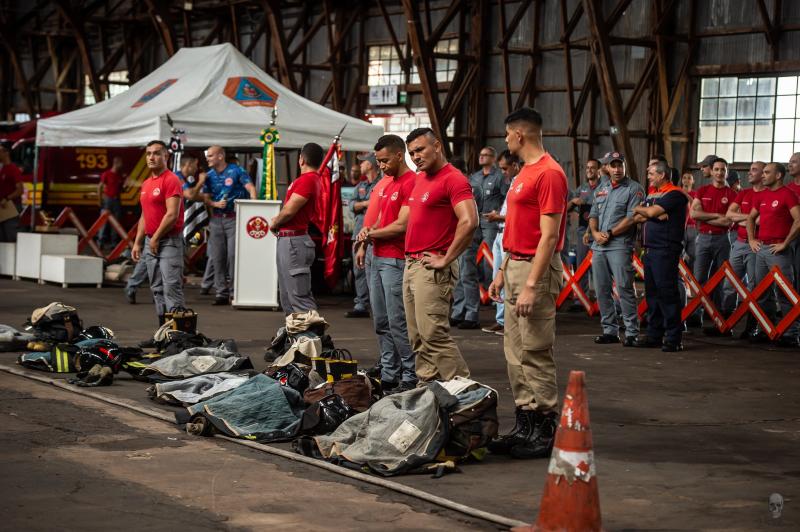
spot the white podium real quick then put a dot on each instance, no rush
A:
(256, 270)
(31, 247)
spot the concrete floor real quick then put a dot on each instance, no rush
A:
(693, 440)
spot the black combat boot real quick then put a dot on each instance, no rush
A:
(521, 431)
(540, 442)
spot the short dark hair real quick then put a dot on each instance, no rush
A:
(393, 142)
(509, 157)
(525, 114)
(420, 131)
(592, 159)
(780, 168)
(719, 160)
(159, 142)
(313, 154)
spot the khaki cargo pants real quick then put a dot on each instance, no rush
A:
(528, 342)
(426, 298)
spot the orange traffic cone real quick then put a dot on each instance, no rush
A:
(570, 500)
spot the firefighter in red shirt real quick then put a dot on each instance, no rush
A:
(442, 218)
(713, 244)
(160, 231)
(778, 210)
(794, 185)
(531, 275)
(108, 191)
(10, 191)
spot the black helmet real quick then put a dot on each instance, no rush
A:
(103, 353)
(95, 332)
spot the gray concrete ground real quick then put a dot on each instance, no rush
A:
(692, 440)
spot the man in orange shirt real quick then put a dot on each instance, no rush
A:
(531, 275)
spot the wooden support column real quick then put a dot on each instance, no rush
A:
(405, 62)
(159, 13)
(479, 44)
(272, 8)
(427, 76)
(570, 97)
(603, 62)
(9, 42)
(83, 47)
(504, 53)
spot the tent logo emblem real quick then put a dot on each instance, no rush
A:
(249, 91)
(152, 93)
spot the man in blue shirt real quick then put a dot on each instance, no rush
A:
(225, 183)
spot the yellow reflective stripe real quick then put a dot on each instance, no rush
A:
(59, 367)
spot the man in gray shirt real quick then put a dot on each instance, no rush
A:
(614, 232)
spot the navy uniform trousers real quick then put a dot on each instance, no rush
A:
(661, 292)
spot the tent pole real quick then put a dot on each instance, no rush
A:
(35, 181)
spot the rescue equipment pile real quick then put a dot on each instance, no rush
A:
(312, 393)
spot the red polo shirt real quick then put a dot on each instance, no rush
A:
(540, 188)
(153, 197)
(746, 199)
(794, 187)
(112, 183)
(774, 208)
(306, 185)
(716, 200)
(371, 216)
(9, 177)
(431, 218)
(391, 199)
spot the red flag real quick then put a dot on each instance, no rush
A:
(329, 207)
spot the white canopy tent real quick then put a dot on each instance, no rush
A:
(217, 96)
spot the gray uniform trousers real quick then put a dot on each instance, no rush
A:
(581, 250)
(765, 260)
(488, 233)
(380, 318)
(466, 296)
(710, 252)
(208, 275)
(796, 263)
(165, 271)
(361, 282)
(386, 296)
(615, 266)
(222, 252)
(743, 262)
(137, 278)
(107, 233)
(295, 255)
(689, 237)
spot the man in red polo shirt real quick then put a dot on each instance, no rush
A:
(295, 249)
(387, 234)
(794, 185)
(108, 191)
(161, 230)
(531, 275)
(713, 244)
(10, 191)
(778, 210)
(742, 258)
(442, 218)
